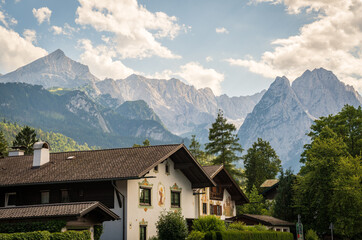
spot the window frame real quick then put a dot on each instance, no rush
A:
(204, 208)
(167, 169)
(61, 195)
(141, 203)
(173, 205)
(143, 227)
(41, 196)
(7, 195)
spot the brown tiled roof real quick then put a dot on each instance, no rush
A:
(212, 170)
(269, 183)
(266, 220)
(97, 165)
(54, 210)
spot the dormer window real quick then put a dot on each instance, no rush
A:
(65, 195)
(10, 199)
(44, 197)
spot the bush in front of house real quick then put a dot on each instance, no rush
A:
(171, 226)
(233, 234)
(50, 226)
(45, 235)
(208, 223)
(98, 230)
(311, 235)
(196, 235)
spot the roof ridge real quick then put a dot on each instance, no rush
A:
(51, 204)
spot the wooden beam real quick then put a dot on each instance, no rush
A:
(201, 185)
(182, 165)
(224, 185)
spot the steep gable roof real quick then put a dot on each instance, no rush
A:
(222, 178)
(100, 165)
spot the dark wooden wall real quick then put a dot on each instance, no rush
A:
(92, 191)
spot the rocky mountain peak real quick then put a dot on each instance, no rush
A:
(57, 54)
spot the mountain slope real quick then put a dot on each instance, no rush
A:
(53, 70)
(321, 93)
(279, 118)
(77, 116)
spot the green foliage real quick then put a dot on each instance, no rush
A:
(3, 145)
(98, 230)
(196, 235)
(50, 226)
(153, 238)
(58, 142)
(255, 235)
(208, 223)
(311, 235)
(171, 226)
(74, 235)
(26, 138)
(329, 186)
(199, 155)
(146, 142)
(283, 207)
(257, 204)
(261, 163)
(45, 235)
(223, 143)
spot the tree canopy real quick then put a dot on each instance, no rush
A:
(199, 155)
(223, 143)
(328, 188)
(26, 138)
(260, 163)
(3, 145)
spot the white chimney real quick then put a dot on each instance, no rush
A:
(41, 154)
(16, 152)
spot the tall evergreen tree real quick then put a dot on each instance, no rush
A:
(3, 145)
(26, 138)
(223, 143)
(199, 155)
(284, 208)
(261, 163)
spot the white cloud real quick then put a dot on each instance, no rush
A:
(16, 51)
(6, 20)
(30, 35)
(209, 59)
(42, 14)
(2, 19)
(100, 61)
(222, 30)
(332, 41)
(135, 30)
(195, 74)
(66, 30)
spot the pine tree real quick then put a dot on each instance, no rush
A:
(3, 145)
(26, 138)
(261, 163)
(223, 143)
(199, 155)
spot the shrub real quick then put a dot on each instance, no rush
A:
(195, 235)
(171, 226)
(45, 235)
(74, 235)
(50, 226)
(208, 223)
(311, 235)
(254, 235)
(98, 230)
(238, 226)
(153, 238)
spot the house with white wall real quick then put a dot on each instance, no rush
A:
(136, 184)
(220, 200)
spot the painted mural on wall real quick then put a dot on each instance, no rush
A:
(161, 195)
(228, 207)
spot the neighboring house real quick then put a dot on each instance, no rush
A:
(269, 188)
(269, 221)
(136, 184)
(222, 199)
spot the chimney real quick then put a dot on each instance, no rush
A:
(16, 152)
(41, 154)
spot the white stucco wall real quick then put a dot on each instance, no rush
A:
(137, 214)
(228, 205)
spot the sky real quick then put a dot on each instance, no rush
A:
(234, 47)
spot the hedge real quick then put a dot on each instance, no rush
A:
(50, 226)
(247, 235)
(98, 230)
(45, 235)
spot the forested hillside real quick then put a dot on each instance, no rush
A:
(58, 142)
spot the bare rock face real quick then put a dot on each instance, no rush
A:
(284, 114)
(53, 70)
(321, 93)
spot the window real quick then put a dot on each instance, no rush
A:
(156, 168)
(65, 196)
(10, 199)
(44, 197)
(204, 208)
(167, 169)
(143, 232)
(211, 209)
(145, 196)
(219, 210)
(216, 193)
(175, 199)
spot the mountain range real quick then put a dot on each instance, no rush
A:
(124, 111)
